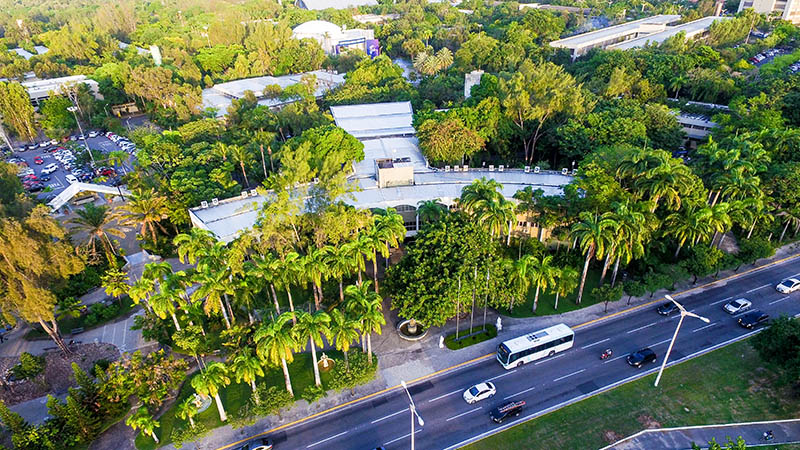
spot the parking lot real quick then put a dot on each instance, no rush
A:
(58, 179)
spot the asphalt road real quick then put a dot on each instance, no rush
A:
(547, 384)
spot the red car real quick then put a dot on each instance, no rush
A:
(30, 177)
(108, 172)
(38, 160)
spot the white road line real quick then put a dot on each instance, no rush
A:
(567, 376)
(519, 393)
(327, 439)
(598, 342)
(443, 396)
(548, 359)
(662, 342)
(704, 327)
(641, 328)
(405, 436)
(390, 415)
(103, 337)
(779, 300)
(723, 300)
(618, 357)
(755, 289)
(502, 375)
(464, 413)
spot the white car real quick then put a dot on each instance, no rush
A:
(93, 134)
(71, 179)
(54, 142)
(50, 168)
(788, 286)
(480, 391)
(737, 306)
(44, 144)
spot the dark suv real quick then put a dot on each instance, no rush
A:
(506, 410)
(753, 318)
(667, 309)
(641, 357)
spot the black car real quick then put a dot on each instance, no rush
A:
(753, 318)
(35, 187)
(506, 410)
(257, 444)
(641, 357)
(667, 309)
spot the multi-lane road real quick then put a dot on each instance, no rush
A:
(547, 384)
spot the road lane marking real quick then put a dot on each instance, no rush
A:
(720, 301)
(641, 328)
(567, 376)
(405, 436)
(502, 375)
(779, 300)
(548, 359)
(443, 396)
(618, 357)
(755, 289)
(704, 327)
(598, 342)
(519, 393)
(464, 413)
(662, 342)
(327, 439)
(390, 415)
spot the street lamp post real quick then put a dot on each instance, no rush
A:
(684, 313)
(73, 110)
(414, 413)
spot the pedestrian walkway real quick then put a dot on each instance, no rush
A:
(783, 431)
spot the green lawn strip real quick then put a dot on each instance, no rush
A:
(235, 396)
(724, 386)
(565, 303)
(453, 344)
(67, 324)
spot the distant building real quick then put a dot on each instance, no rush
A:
(569, 9)
(40, 50)
(40, 90)
(696, 29)
(221, 96)
(472, 79)
(696, 126)
(787, 9)
(375, 18)
(334, 38)
(315, 5)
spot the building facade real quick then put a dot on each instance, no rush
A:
(788, 10)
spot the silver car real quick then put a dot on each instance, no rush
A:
(737, 306)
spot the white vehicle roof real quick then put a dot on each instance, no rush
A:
(541, 336)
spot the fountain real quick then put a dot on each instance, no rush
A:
(325, 363)
(202, 402)
(411, 330)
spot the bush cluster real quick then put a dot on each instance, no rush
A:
(187, 434)
(313, 393)
(359, 372)
(29, 366)
(271, 400)
(99, 313)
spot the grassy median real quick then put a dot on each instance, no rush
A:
(727, 385)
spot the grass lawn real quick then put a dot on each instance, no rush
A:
(67, 324)
(452, 344)
(727, 385)
(565, 303)
(235, 396)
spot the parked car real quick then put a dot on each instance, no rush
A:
(38, 160)
(737, 306)
(480, 391)
(753, 318)
(667, 309)
(44, 144)
(93, 134)
(107, 172)
(50, 168)
(54, 142)
(32, 147)
(641, 357)
(257, 444)
(788, 286)
(35, 187)
(506, 410)
(71, 179)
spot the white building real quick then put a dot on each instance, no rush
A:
(785, 9)
(40, 90)
(333, 38)
(606, 37)
(40, 50)
(316, 5)
(220, 96)
(394, 173)
(696, 29)
(696, 126)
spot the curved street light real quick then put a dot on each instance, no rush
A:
(684, 313)
(414, 413)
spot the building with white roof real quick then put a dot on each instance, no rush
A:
(40, 50)
(695, 29)
(389, 145)
(605, 37)
(316, 5)
(40, 90)
(696, 126)
(333, 38)
(220, 96)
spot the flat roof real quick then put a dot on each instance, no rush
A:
(41, 88)
(375, 120)
(336, 4)
(691, 29)
(523, 342)
(392, 147)
(612, 32)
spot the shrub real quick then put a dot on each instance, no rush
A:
(272, 400)
(99, 367)
(313, 393)
(187, 434)
(634, 288)
(360, 372)
(29, 366)
(243, 418)
(755, 248)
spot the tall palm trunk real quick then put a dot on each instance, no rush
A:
(369, 348)
(614, 274)
(244, 174)
(224, 313)
(375, 268)
(785, 227)
(255, 391)
(317, 379)
(589, 256)
(52, 331)
(286, 376)
(223, 416)
(341, 290)
(558, 294)
(346, 361)
(606, 263)
(175, 320)
(230, 310)
(536, 298)
(153, 435)
(275, 298)
(678, 250)
(291, 304)
(750, 232)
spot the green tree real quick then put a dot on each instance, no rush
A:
(97, 224)
(431, 210)
(145, 210)
(16, 110)
(142, 420)
(246, 366)
(593, 234)
(193, 245)
(566, 282)
(215, 284)
(275, 343)
(209, 382)
(448, 141)
(56, 120)
(186, 410)
(345, 332)
(115, 282)
(542, 274)
(313, 327)
(779, 346)
(371, 317)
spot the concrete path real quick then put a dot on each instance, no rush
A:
(35, 411)
(784, 431)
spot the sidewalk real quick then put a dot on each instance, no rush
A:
(408, 361)
(785, 432)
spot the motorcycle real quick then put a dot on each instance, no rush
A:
(606, 354)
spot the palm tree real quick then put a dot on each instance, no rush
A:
(313, 327)
(275, 343)
(213, 286)
(630, 235)
(315, 265)
(339, 264)
(266, 268)
(593, 233)
(97, 223)
(496, 216)
(520, 277)
(291, 268)
(690, 224)
(345, 330)
(371, 312)
(479, 192)
(187, 409)
(142, 420)
(431, 210)
(144, 210)
(118, 158)
(356, 250)
(246, 367)
(677, 82)
(210, 382)
(141, 291)
(163, 303)
(242, 156)
(719, 220)
(115, 282)
(668, 182)
(566, 282)
(194, 244)
(542, 274)
(221, 150)
(389, 228)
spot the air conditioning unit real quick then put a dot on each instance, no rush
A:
(215, 201)
(527, 169)
(447, 168)
(501, 168)
(204, 204)
(253, 192)
(491, 167)
(537, 169)
(244, 194)
(564, 171)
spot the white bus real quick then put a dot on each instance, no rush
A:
(536, 345)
